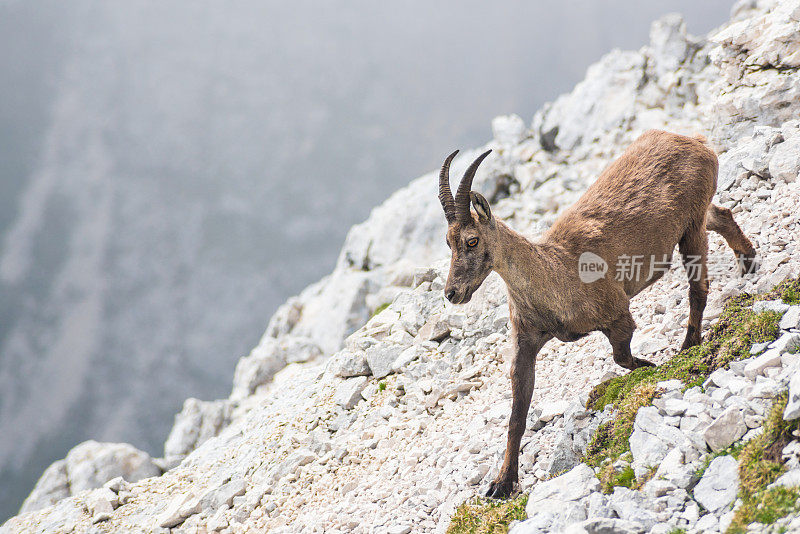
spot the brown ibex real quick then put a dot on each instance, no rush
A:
(654, 196)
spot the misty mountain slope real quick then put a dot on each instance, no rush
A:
(199, 163)
(407, 420)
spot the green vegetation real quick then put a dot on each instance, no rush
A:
(610, 477)
(789, 291)
(382, 385)
(729, 339)
(380, 309)
(487, 516)
(760, 464)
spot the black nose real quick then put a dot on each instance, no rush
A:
(450, 294)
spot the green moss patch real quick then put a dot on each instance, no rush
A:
(487, 516)
(729, 339)
(760, 464)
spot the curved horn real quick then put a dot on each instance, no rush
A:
(462, 194)
(445, 196)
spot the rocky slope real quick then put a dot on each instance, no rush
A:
(347, 420)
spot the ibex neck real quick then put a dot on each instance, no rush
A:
(526, 267)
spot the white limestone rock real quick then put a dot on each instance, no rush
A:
(726, 429)
(550, 410)
(652, 439)
(791, 319)
(270, 356)
(52, 486)
(784, 164)
(603, 101)
(381, 358)
(197, 422)
(776, 306)
(719, 485)
(757, 366)
(509, 129)
(349, 392)
(792, 410)
(347, 364)
(88, 466)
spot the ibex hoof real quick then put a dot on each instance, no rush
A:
(501, 489)
(748, 263)
(690, 342)
(642, 363)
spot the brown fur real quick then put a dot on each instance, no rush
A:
(653, 197)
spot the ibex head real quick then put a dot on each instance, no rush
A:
(469, 236)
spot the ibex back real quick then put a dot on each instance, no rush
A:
(655, 196)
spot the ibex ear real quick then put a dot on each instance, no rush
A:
(481, 206)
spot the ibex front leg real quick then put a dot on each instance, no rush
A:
(522, 377)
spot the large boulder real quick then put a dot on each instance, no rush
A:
(719, 485)
(87, 466)
(270, 356)
(197, 422)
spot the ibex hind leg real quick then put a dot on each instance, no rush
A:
(694, 249)
(619, 334)
(720, 220)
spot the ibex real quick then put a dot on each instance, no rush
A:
(654, 196)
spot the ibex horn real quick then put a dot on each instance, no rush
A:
(445, 196)
(462, 195)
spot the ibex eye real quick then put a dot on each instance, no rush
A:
(472, 242)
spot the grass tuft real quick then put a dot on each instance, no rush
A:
(487, 516)
(760, 464)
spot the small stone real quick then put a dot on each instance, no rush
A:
(707, 523)
(117, 484)
(224, 495)
(720, 378)
(726, 429)
(406, 357)
(478, 474)
(792, 410)
(349, 392)
(101, 504)
(675, 406)
(788, 342)
(791, 319)
(347, 364)
(424, 274)
(550, 410)
(670, 385)
(381, 357)
(789, 479)
(571, 486)
(770, 305)
(171, 516)
(757, 366)
(604, 525)
(436, 328)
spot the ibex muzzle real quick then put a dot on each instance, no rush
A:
(468, 237)
(655, 196)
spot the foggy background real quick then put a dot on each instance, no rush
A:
(172, 171)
